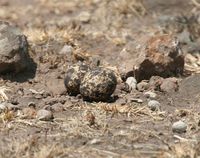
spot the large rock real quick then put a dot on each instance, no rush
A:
(13, 49)
(161, 56)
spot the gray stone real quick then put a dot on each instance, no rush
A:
(44, 115)
(154, 105)
(13, 49)
(179, 127)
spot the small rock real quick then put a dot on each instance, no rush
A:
(13, 49)
(74, 76)
(179, 127)
(44, 115)
(154, 105)
(169, 85)
(98, 84)
(162, 56)
(150, 95)
(131, 82)
(143, 85)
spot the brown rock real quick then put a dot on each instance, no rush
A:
(161, 56)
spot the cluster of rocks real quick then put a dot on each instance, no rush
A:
(159, 59)
(95, 84)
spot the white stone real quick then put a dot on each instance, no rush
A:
(179, 127)
(131, 82)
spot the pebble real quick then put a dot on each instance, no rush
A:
(154, 105)
(179, 127)
(150, 95)
(44, 115)
(131, 82)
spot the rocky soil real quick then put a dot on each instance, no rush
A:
(135, 95)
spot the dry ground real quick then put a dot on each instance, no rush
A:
(109, 30)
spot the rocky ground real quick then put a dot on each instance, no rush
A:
(150, 114)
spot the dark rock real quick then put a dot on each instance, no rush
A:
(154, 105)
(98, 84)
(13, 49)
